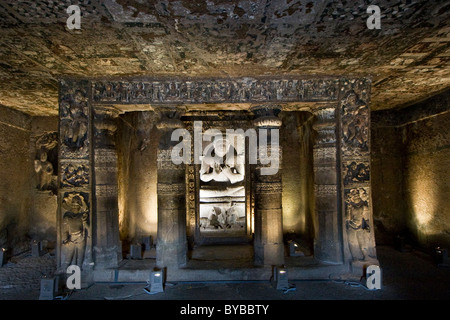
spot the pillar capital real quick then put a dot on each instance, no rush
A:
(169, 118)
(266, 115)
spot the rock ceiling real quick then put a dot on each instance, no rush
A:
(407, 59)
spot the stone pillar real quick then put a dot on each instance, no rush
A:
(107, 248)
(171, 243)
(268, 240)
(75, 214)
(327, 240)
(354, 114)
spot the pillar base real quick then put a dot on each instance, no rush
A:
(269, 254)
(171, 255)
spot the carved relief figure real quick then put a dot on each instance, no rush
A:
(75, 229)
(44, 169)
(357, 223)
(222, 164)
(74, 122)
(74, 176)
(43, 166)
(356, 172)
(355, 122)
(224, 216)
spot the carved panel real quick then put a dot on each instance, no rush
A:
(355, 172)
(74, 115)
(74, 174)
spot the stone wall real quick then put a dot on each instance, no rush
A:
(411, 160)
(426, 180)
(15, 173)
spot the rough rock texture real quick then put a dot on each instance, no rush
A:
(408, 57)
(410, 161)
(15, 172)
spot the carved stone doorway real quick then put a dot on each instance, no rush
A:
(343, 209)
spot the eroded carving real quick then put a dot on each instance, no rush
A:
(76, 228)
(355, 124)
(356, 172)
(357, 223)
(74, 175)
(74, 124)
(46, 159)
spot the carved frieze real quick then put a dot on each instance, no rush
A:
(215, 91)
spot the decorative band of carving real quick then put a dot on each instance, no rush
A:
(173, 188)
(216, 91)
(325, 189)
(108, 169)
(105, 155)
(269, 187)
(106, 190)
(324, 154)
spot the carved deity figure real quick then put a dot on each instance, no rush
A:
(355, 122)
(357, 211)
(44, 169)
(75, 222)
(222, 164)
(74, 122)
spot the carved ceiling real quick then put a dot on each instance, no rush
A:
(407, 59)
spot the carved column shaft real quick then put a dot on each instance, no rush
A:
(327, 241)
(268, 241)
(106, 249)
(171, 245)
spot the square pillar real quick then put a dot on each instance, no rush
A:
(75, 209)
(107, 248)
(328, 239)
(171, 243)
(354, 118)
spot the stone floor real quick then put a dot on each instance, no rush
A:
(406, 276)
